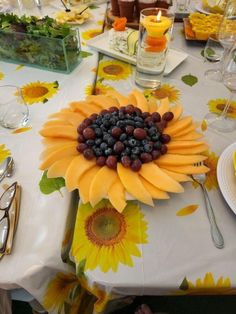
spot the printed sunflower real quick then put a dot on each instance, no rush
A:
(91, 33)
(217, 106)
(165, 91)
(104, 237)
(100, 89)
(4, 152)
(1, 75)
(36, 92)
(149, 172)
(114, 70)
(207, 285)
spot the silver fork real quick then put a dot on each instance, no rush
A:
(215, 232)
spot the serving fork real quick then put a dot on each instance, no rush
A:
(216, 235)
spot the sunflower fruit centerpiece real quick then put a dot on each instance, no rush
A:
(121, 148)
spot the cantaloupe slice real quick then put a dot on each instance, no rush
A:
(122, 100)
(190, 136)
(154, 191)
(133, 184)
(190, 128)
(164, 106)
(101, 184)
(73, 118)
(77, 168)
(152, 105)
(54, 141)
(65, 131)
(189, 151)
(140, 100)
(116, 195)
(187, 169)
(132, 100)
(59, 168)
(177, 110)
(85, 108)
(178, 126)
(183, 144)
(84, 183)
(46, 152)
(180, 177)
(153, 174)
(103, 101)
(74, 105)
(57, 122)
(178, 160)
(61, 152)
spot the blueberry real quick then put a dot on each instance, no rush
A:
(107, 116)
(145, 142)
(111, 141)
(152, 130)
(108, 152)
(132, 142)
(103, 146)
(120, 124)
(157, 145)
(106, 137)
(138, 119)
(113, 121)
(136, 150)
(155, 137)
(133, 156)
(121, 116)
(98, 152)
(130, 122)
(127, 151)
(139, 124)
(90, 142)
(106, 123)
(123, 137)
(147, 148)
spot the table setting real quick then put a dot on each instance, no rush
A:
(117, 152)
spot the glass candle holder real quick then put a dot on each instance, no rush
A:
(155, 30)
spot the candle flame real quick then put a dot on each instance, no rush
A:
(159, 16)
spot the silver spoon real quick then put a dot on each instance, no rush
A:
(6, 168)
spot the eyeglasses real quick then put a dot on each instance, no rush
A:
(8, 203)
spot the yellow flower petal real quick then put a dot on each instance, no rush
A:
(204, 125)
(187, 210)
(36, 92)
(4, 153)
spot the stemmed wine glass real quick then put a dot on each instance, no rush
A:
(223, 122)
(226, 36)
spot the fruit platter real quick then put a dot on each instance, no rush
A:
(120, 147)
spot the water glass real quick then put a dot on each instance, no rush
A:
(154, 36)
(182, 5)
(14, 112)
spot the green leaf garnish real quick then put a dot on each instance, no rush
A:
(50, 185)
(80, 268)
(189, 79)
(184, 285)
(85, 54)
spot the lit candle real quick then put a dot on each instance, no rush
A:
(156, 26)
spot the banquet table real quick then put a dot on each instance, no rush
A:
(174, 253)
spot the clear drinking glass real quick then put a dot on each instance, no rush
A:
(155, 29)
(213, 52)
(14, 112)
(223, 122)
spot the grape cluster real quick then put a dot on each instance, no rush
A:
(125, 135)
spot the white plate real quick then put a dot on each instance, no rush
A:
(226, 177)
(101, 43)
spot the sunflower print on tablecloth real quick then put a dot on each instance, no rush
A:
(114, 70)
(2, 76)
(4, 152)
(103, 237)
(208, 285)
(217, 106)
(36, 92)
(100, 89)
(67, 293)
(211, 177)
(91, 33)
(165, 91)
(153, 180)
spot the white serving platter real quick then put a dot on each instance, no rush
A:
(101, 44)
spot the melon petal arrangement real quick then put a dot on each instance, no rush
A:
(120, 147)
